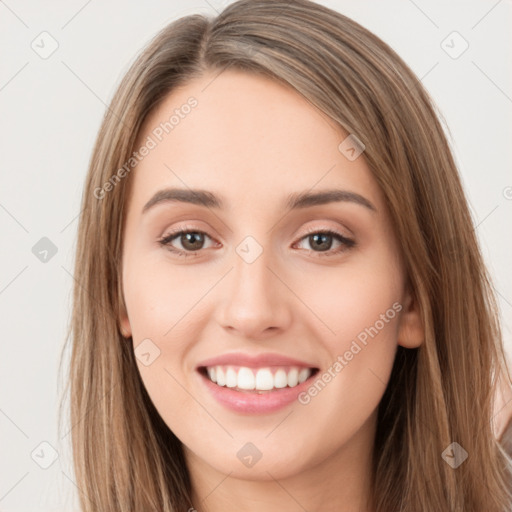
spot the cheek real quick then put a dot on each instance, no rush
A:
(164, 310)
(350, 298)
(340, 310)
(161, 297)
(346, 393)
(359, 310)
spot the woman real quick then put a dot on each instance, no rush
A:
(226, 355)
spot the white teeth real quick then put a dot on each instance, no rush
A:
(231, 378)
(264, 379)
(221, 377)
(280, 379)
(293, 377)
(261, 379)
(303, 375)
(245, 379)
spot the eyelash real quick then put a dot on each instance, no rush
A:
(347, 243)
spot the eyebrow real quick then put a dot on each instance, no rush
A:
(295, 201)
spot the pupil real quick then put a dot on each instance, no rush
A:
(190, 238)
(322, 238)
(321, 241)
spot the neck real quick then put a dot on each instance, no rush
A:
(340, 482)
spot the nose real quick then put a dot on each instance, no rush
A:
(256, 302)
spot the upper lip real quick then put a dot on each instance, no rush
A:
(254, 361)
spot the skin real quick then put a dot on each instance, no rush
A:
(502, 406)
(253, 142)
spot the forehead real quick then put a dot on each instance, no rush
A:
(247, 134)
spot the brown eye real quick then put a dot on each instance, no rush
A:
(322, 241)
(191, 241)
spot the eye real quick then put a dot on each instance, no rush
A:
(191, 241)
(323, 241)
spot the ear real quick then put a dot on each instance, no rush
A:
(124, 322)
(411, 332)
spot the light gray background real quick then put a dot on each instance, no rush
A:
(50, 111)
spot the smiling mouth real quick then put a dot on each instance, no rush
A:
(257, 380)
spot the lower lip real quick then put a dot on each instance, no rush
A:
(253, 402)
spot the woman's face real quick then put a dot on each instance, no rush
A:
(255, 293)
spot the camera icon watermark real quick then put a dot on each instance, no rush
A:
(45, 45)
(44, 455)
(249, 455)
(146, 352)
(249, 249)
(351, 147)
(44, 250)
(454, 455)
(454, 45)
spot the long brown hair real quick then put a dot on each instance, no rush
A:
(125, 456)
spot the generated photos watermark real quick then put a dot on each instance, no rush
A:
(344, 359)
(151, 142)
